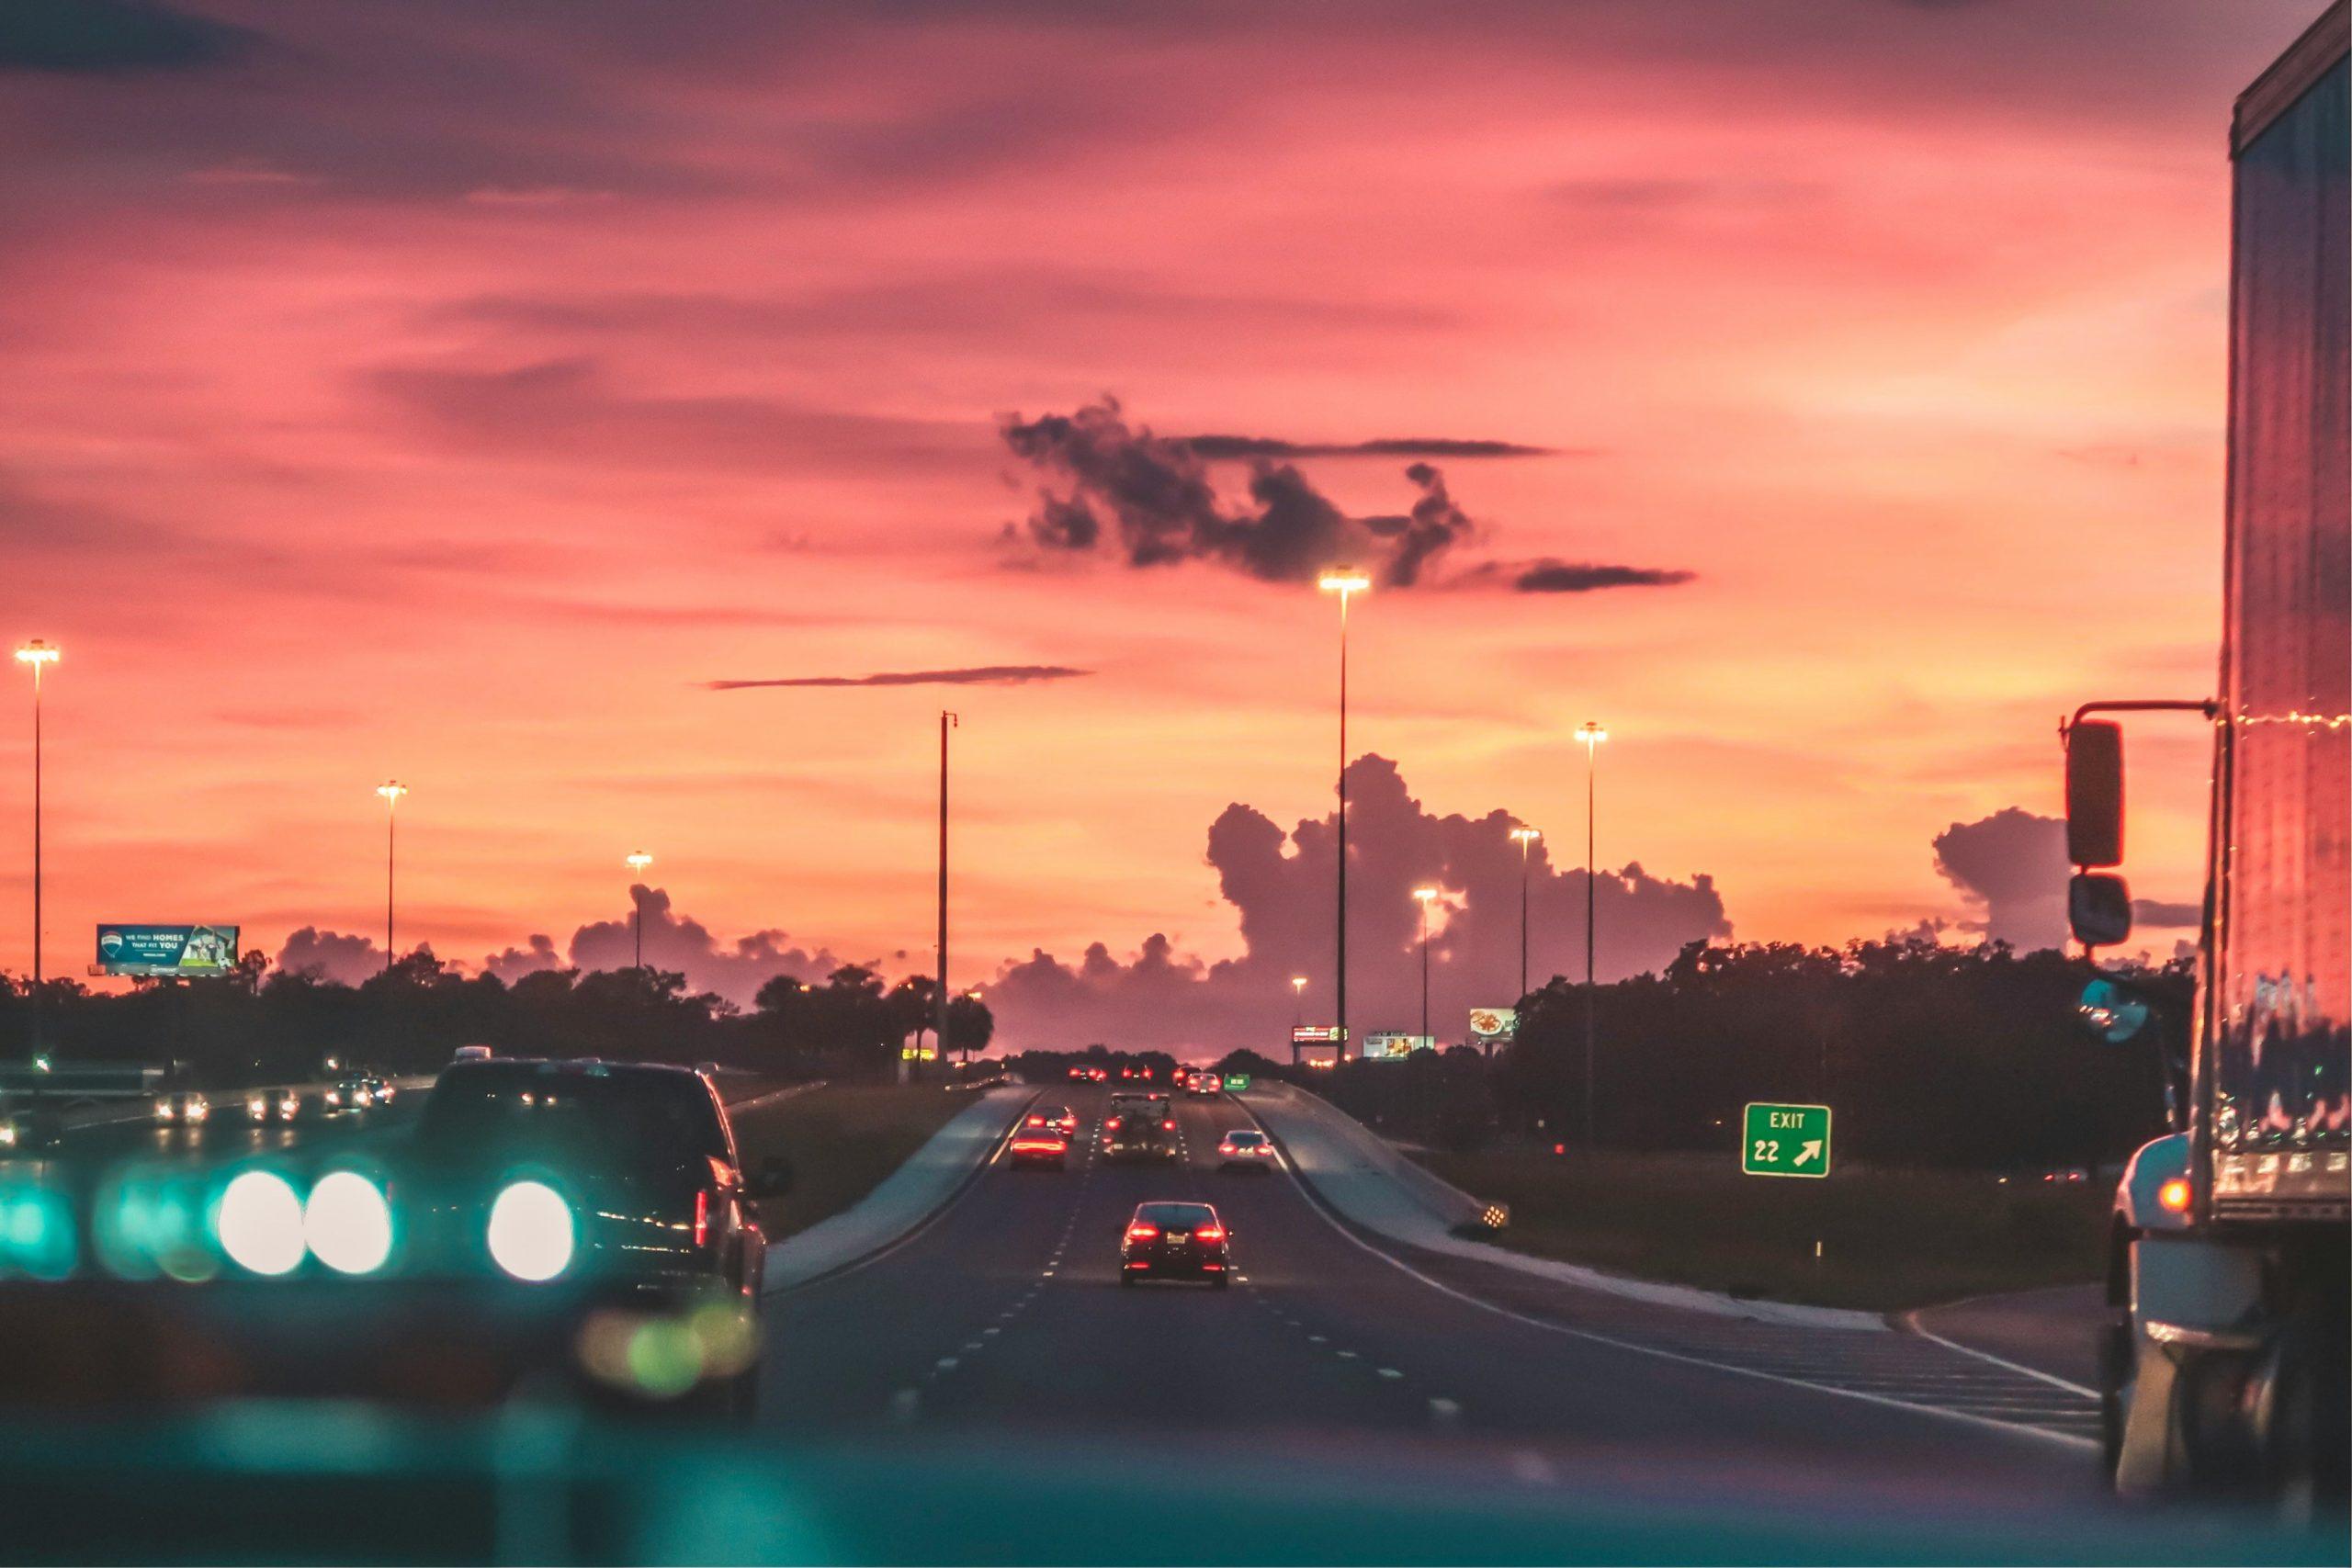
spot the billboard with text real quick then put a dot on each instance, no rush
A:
(188, 950)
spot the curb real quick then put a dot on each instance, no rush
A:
(921, 1223)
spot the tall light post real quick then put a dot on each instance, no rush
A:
(1297, 1014)
(391, 790)
(1591, 735)
(1526, 838)
(947, 721)
(637, 860)
(37, 654)
(1346, 582)
(1425, 896)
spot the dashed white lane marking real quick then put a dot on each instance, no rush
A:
(1390, 1372)
(971, 1345)
(1444, 1410)
(1316, 1339)
(947, 1364)
(992, 1331)
(905, 1404)
(1345, 1355)
(2067, 1439)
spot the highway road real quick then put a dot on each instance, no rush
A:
(1005, 1313)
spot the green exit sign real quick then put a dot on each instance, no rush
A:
(1785, 1140)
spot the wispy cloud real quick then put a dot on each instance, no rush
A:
(973, 675)
(1219, 446)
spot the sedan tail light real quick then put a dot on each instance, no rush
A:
(1168, 1125)
(1141, 1231)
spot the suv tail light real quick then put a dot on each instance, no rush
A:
(1210, 1233)
(1169, 1125)
(1111, 1123)
(702, 1218)
(1142, 1231)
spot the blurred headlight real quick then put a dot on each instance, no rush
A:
(347, 1224)
(260, 1223)
(257, 1107)
(7, 1134)
(163, 1111)
(530, 1232)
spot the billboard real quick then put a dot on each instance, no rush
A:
(1490, 1024)
(167, 950)
(1316, 1035)
(1387, 1047)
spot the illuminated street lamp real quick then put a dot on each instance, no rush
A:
(1425, 896)
(637, 860)
(37, 654)
(1346, 582)
(391, 790)
(1526, 838)
(1591, 735)
(1298, 1014)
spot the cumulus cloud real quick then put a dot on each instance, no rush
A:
(1280, 885)
(973, 675)
(2011, 866)
(331, 955)
(1104, 481)
(734, 969)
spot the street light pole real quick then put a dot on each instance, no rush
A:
(1591, 735)
(637, 860)
(1526, 836)
(1344, 581)
(392, 791)
(947, 721)
(1423, 896)
(37, 653)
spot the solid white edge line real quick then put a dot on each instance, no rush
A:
(2065, 1439)
(1911, 1322)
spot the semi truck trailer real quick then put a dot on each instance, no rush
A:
(2224, 1361)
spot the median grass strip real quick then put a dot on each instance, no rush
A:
(1890, 1239)
(842, 1141)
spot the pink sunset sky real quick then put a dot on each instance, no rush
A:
(453, 392)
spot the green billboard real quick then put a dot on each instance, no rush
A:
(167, 950)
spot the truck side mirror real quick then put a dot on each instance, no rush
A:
(2099, 908)
(2094, 793)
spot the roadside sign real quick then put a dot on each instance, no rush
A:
(1785, 1140)
(1317, 1034)
(1388, 1046)
(1490, 1024)
(167, 950)
(1237, 1082)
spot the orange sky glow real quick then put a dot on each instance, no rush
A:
(453, 393)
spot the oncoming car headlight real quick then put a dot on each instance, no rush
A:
(530, 1232)
(260, 1223)
(347, 1224)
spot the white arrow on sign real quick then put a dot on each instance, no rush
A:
(1810, 1151)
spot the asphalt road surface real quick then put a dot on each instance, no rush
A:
(1004, 1315)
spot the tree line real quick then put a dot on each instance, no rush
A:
(259, 1025)
(1928, 1055)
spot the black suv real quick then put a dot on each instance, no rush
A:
(616, 1182)
(1138, 1129)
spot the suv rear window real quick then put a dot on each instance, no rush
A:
(610, 1115)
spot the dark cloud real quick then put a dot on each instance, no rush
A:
(1224, 447)
(735, 970)
(2168, 913)
(2012, 865)
(1564, 577)
(1280, 885)
(102, 37)
(1150, 496)
(330, 955)
(975, 675)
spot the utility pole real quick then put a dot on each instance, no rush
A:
(1591, 735)
(1424, 897)
(637, 860)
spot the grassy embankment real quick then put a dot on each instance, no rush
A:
(842, 1140)
(1890, 1238)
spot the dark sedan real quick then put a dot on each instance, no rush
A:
(1175, 1241)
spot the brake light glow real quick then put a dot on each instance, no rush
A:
(1169, 1125)
(1139, 1231)
(702, 1218)
(1111, 1123)
(1225, 1148)
(1210, 1233)
(2173, 1196)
